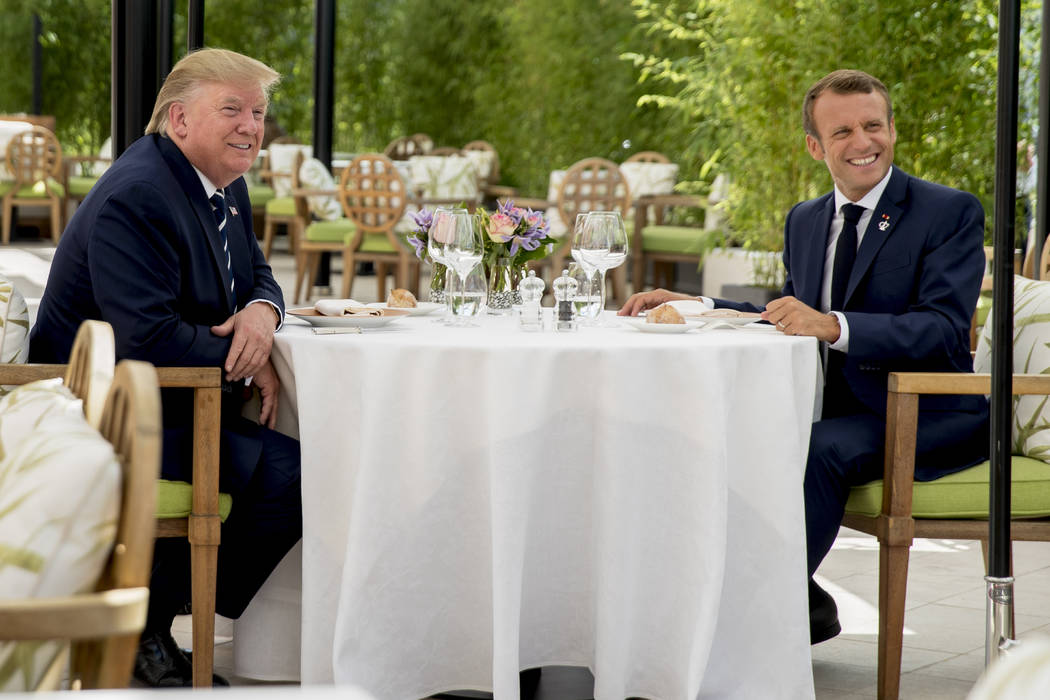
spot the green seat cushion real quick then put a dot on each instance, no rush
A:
(964, 495)
(260, 195)
(33, 191)
(80, 185)
(372, 243)
(329, 231)
(175, 499)
(686, 240)
(281, 206)
(984, 305)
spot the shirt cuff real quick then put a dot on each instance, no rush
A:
(707, 301)
(842, 344)
(276, 308)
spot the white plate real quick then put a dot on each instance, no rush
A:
(422, 308)
(641, 324)
(311, 316)
(725, 320)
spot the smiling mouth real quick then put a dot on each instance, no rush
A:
(241, 146)
(861, 162)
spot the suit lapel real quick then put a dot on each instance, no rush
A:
(810, 291)
(884, 220)
(194, 192)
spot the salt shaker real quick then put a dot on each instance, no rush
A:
(565, 288)
(531, 290)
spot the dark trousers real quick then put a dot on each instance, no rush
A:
(848, 450)
(266, 521)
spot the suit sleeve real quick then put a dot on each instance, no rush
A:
(265, 287)
(143, 265)
(944, 282)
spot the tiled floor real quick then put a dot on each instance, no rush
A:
(945, 620)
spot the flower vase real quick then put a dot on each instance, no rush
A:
(437, 283)
(503, 286)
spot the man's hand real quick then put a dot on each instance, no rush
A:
(269, 387)
(252, 328)
(648, 300)
(792, 317)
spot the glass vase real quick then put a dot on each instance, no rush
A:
(503, 286)
(437, 283)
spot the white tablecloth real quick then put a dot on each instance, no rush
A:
(479, 500)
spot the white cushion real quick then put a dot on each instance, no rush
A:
(1031, 428)
(649, 178)
(14, 324)
(482, 162)
(444, 177)
(282, 158)
(314, 176)
(59, 504)
(557, 226)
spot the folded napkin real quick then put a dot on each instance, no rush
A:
(691, 308)
(344, 307)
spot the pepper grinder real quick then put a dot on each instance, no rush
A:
(565, 288)
(531, 290)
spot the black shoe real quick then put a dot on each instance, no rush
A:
(529, 681)
(823, 615)
(160, 663)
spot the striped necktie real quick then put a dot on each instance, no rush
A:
(218, 209)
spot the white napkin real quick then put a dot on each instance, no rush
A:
(344, 307)
(689, 307)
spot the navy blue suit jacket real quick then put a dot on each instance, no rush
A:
(912, 291)
(143, 253)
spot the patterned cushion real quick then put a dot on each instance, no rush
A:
(314, 176)
(1031, 429)
(59, 503)
(14, 324)
(282, 158)
(442, 177)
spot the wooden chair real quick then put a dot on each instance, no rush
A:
(79, 175)
(282, 211)
(952, 507)
(648, 157)
(654, 242)
(445, 151)
(374, 197)
(592, 184)
(102, 626)
(405, 147)
(34, 159)
(984, 301)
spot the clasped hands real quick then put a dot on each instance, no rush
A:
(252, 328)
(788, 314)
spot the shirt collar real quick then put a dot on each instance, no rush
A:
(209, 187)
(868, 201)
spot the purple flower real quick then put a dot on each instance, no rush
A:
(423, 219)
(419, 245)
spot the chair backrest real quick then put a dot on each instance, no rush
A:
(34, 155)
(648, 157)
(14, 324)
(446, 151)
(90, 368)
(373, 193)
(405, 147)
(486, 160)
(593, 184)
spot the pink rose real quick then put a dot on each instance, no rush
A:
(501, 228)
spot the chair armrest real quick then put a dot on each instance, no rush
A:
(531, 202)
(500, 191)
(23, 374)
(672, 200)
(958, 383)
(85, 616)
(302, 192)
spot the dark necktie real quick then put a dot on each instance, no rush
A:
(845, 255)
(218, 209)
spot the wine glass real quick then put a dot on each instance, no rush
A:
(603, 244)
(463, 250)
(441, 225)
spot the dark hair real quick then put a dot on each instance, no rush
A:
(842, 82)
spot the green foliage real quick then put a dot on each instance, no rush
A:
(751, 63)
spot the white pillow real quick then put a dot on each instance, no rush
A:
(649, 178)
(558, 227)
(14, 324)
(59, 503)
(1031, 429)
(282, 158)
(444, 177)
(314, 176)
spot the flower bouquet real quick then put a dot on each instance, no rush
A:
(513, 236)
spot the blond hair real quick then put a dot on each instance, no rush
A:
(208, 66)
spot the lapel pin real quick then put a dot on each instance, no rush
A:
(233, 210)
(885, 223)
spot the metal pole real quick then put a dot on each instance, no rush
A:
(195, 25)
(1042, 149)
(118, 128)
(999, 580)
(165, 14)
(38, 66)
(324, 101)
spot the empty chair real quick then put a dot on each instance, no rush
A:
(34, 161)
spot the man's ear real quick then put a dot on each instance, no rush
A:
(814, 147)
(177, 119)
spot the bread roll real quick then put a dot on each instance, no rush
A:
(401, 298)
(665, 313)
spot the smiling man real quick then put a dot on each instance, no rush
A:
(885, 270)
(163, 249)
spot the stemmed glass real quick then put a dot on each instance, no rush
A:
(463, 250)
(441, 226)
(586, 275)
(602, 244)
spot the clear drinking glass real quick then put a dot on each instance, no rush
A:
(602, 244)
(588, 297)
(463, 251)
(441, 227)
(468, 296)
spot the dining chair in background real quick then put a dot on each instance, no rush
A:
(284, 158)
(34, 162)
(486, 164)
(647, 157)
(80, 173)
(896, 509)
(88, 602)
(405, 147)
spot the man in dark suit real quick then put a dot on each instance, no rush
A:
(898, 298)
(163, 249)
